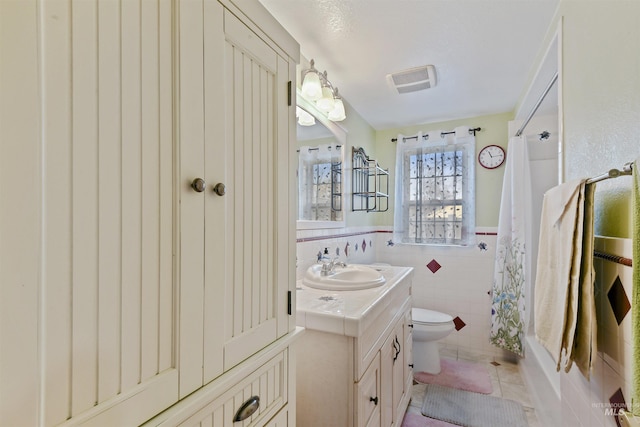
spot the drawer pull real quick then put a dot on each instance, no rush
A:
(398, 348)
(374, 400)
(247, 409)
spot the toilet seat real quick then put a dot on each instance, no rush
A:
(422, 316)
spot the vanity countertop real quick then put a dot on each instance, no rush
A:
(349, 312)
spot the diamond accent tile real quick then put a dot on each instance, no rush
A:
(346, 249)
(433, 266)
(459, 323)
(617, 402)
(618, 300)
(364, 245)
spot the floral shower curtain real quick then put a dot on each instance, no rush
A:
(512, 275)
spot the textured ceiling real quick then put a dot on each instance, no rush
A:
(483, 51)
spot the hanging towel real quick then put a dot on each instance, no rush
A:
(512, 275)
(564, 309)
(635, 303)
(584, 344)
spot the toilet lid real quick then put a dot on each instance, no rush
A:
(422, 315)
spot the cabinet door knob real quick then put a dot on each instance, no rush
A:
(247, 409)
(198, 185)
(220, 189)
(374, 400)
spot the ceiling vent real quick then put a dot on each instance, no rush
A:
(413, 79)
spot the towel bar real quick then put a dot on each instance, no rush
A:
(627, 169)
(613, 258)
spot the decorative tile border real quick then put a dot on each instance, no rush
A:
(338, 236)
(358, 233)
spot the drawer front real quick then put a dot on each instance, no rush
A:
(280, 420)
(268, 383)
(368, 395)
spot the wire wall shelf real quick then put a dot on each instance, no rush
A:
(370, 184)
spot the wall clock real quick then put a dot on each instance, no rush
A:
(491, 156)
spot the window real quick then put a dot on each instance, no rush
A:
(320, 183)
(435, 190)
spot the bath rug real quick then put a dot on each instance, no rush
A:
(467, 376)
(469, 409)
(411, 419)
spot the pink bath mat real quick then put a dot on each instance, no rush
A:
(411, 419)
(458, 374)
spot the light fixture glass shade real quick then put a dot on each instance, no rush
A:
(338, 113)
(304, 118)
(311, 87)
(326, 103)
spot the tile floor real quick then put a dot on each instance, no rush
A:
(505, 378)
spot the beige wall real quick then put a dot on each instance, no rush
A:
(488, 182)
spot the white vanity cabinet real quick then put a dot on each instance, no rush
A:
(354, 367)
(129, 289)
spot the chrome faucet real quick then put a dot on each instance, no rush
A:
(328, 267)
(328, 263)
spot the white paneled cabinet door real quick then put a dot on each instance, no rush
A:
(108, 273)
(257, 243)
(234, 127)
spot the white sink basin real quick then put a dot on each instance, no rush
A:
(349, 278)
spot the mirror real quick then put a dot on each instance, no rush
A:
(321, 148)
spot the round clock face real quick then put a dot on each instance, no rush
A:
(491, 156)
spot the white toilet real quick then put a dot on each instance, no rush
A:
(428, 327)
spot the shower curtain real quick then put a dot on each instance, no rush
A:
(512, 275)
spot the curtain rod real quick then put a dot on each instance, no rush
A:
(317, 148)
(627, 169)
(538, 102)
(426, 135)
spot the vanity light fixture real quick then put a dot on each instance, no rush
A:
(311, 86)
(337, 114)
(317, 87)
(304, 118)
(327, 102)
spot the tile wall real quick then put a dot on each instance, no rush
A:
(449, 279)
(594, 403)
(453, 280)
(353, 245)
